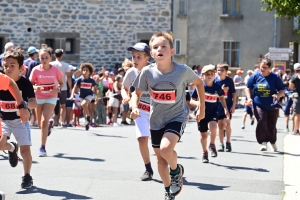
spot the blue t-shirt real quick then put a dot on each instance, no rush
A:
(211, 99)
(85, 86)
(228, 82)
(263, 88)
(30, 64)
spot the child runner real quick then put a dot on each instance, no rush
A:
(224, 123)
(114, 100)
(46, 80)
(166, 81)
(140, 58)
(86, 85)
(288, 104)
(212, 92)
(247, 111)
(15, 113)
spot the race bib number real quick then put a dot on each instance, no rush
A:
(85, 85)
(9, 106)
(211, 98)
(47, 88)
(163, 96)
(144, 106)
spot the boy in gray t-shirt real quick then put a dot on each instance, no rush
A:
(166, 82)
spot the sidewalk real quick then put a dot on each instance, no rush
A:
(291, 167)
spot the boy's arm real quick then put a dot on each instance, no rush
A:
(135, 99)
(73, 91)
(200, 90)
(32, 104)
(223, 102)
(125, 95)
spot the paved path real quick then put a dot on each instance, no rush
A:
(104, 163)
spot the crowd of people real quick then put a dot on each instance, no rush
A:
(158, 98)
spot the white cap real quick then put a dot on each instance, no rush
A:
(72, 68)
(297, 66)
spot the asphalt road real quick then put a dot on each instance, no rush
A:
(104, 163)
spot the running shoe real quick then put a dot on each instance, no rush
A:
(26, 181)
(243, 127)
(50, 126)
(93, 125)
(274, 147)
(296, 132)
(228, 147)
(205, 157)
(42, 152)
(252, 121)
(221, 149)
(169, 196)
(87, 123)
(147, 176)
(125, 123)
(13, 156)
(176, 181)
(70, 125)
(213, 150)
(2, 196)
(286, 130)
(116, 124)
(263, 146)
(108, 122)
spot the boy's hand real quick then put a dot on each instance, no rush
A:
(248, 102)
(71, 98)
(39, 88)
(232, 110)
(227, 114)
(126, 100)
(135, 113)
(200, 114)
(24, 115)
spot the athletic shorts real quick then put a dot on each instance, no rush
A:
(224, 117)
(62, 95)
(21, 131)
(43, 101)
(113, 102)
(142, 125)
(69, 104)
(93, 101)
(203, 124)
(77, 112)
(174, 127)
(89, 97)
(296, 106)
(125, 107)
(57, 108)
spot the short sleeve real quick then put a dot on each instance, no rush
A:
(78, 81)
(190, 75)
(220, 91)
(127, 81)
(4, 82)
(29, 90)
(140, 82)
(195, 94)
(232, 87)
(250, 82)
(67, 68)
(59, 74)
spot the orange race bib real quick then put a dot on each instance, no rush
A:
(85, 85)
(211, 98)
(144, 106)
(163, 96)
(47, 88)
(9, 106)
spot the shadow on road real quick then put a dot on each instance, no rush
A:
(53, 193)
(114, 136)
(62, 155)
(184, 157)
(286, 153)
(6, 158)
(241, 168)
(253, 154)
(243, 140)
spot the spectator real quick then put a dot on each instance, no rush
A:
(31, 62)
(295, 85)
(229, 74)
(199, 68)
(249, 73)
(287, 75)
(8, 46)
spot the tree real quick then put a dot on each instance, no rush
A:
(284, 8)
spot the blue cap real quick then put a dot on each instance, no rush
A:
(140, 46)
(32, 50)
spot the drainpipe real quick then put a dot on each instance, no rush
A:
(172, 18)
(275, 31)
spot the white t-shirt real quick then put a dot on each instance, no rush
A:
(64, 68)
(77, 101)
(246, 79)
(105, 82)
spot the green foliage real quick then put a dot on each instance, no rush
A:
(284, 8)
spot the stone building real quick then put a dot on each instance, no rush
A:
(97, 31)
(235, 31)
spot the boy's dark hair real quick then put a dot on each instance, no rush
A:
(87, 65)
(286, 84)
(16, 55)
(223, 65)
(267, 62)
(58, 53)
(48, 50)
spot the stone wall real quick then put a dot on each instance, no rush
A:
(105, 27)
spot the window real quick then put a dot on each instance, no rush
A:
(70, 46)
(177, 47)
(1, 44)
(182, 7)
(231, 53)
(50, 43)
(231, 7)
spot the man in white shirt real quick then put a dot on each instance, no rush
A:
(249, 73)
(67, 79)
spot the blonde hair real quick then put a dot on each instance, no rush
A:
(163, 34)
(127, 64)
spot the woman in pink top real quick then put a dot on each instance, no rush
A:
(46, 80)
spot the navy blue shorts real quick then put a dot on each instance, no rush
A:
(288, 107)
(248, 110)
(69, 104)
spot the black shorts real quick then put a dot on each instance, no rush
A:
(203, 124)
(69, 104)
(57, 108)
(174, 127)
(62, 95)
(93, 101)
(223, 117)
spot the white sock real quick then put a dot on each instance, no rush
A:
(12, 148)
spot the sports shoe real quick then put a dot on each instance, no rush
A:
(221, 149)
(205, 157)
(263, 146)
(70, 125)
(176, 181)
(147, 176)
(26, 181)
(252, 121)
(87, 123)
(286, 130)
(243, 127)
(296, 132)
(116, 124)
(273, 147)
(13, 156)
(213, 150)
(42, 152)
(169, 196)
(93, 125)
(228, 147)
(2, 196)
(108, 122)
(50, 126)
(125, 123)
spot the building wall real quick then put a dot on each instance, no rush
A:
(207, 30)
(102, 29)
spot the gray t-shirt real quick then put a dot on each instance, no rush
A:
(129, 78)
(167, 92)
(64, 68)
